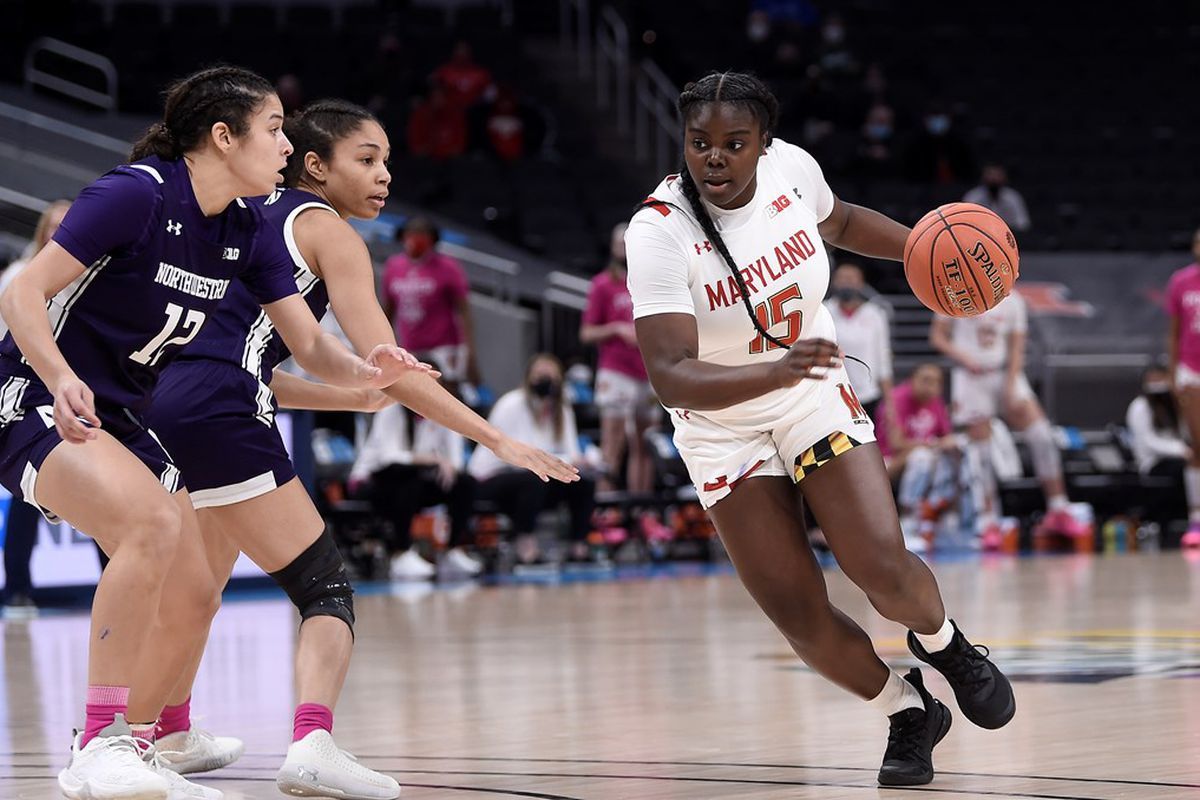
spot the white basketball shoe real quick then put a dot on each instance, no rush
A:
(315, 767)
(197, 750)
(111, 767)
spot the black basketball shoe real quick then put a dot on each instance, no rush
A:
(908, 760)
(984, 695)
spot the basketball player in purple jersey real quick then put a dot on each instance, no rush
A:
(140, 262)
(247, 494)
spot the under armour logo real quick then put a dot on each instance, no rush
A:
(230, 254)
(306, 774)
(174, 227)
(707, 247)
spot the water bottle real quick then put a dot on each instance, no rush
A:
(1148, 536)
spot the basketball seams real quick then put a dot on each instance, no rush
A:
(915, 237)
(932, 271)
(1013, 263)
(966, 263)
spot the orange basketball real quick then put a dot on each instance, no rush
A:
(961, 260)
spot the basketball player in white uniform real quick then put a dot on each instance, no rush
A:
(746, 364)
(988, 381)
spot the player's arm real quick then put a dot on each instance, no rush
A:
(23, 306)
(463, 307)
(292, 391)
(864, 231)
(1172, 345)
(939, 338)
(345, 265)
(670, 344)
(1015, 365)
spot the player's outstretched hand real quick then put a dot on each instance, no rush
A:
(807, 360)
(387, 362)
(539, 462)
(75, 411)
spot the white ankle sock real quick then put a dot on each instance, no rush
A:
(897, 694)
(936, 642)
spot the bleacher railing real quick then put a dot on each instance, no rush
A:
(36, 76)
(640, 91)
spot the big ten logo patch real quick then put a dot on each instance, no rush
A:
(857, 412)
(777, 205)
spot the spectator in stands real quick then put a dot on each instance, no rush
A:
(411, 464)
(1183, 350)
(623, 391)
(1155, 434)
(425, 293)
(939, 154)
(876, 147)
(921, 451)
(863, 331)
(994, 192)
(506, 127)
(290, 91)
(464, 82)
(833, 53)
(437, 128)
(538, 414)
(21, 525)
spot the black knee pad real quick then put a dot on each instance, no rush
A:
(317, 582)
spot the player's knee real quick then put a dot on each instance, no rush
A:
(153, 531)
(887, 577)
(317, 582)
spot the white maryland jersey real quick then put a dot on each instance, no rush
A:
(673, 268)
(985, 338)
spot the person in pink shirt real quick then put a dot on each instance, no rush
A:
(622, 388)
(1183, 350)
(920, 449)
(425, 295)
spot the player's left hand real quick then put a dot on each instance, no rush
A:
(387, 362)
(539, 462)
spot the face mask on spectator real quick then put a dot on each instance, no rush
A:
(545, 387)
(416, 245)
(848, 294)
(937, 124)
(1153, 388)
(878, 131)
(758, 30)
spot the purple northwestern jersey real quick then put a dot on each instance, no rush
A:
(157, 269)
(240, 333)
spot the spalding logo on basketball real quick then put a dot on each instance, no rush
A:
(961, 260)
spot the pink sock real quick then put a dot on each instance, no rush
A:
(175, 719)
(103, 704)
(311, 717)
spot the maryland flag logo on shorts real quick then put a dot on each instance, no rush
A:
(823, 452)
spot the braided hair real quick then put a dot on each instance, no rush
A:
(196, 103)
(316, 129)
(746, 92)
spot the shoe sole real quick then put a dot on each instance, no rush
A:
(291, 783)
(82, 790)
(204, 764)
(921, 780)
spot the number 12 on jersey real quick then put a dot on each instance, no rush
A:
(772, 313)
(172, 334)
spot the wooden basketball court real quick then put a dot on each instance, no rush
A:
(678, 687)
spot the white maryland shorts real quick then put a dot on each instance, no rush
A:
(1186, 377)
(825, 421)
(623, 396)
(979, 397)
(450, 358)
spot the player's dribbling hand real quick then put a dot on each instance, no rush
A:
(75, 411)
(808, 359)
(387, 362)
(539, 462)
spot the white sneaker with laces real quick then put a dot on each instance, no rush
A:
(179, 787)
(409, 566)
(315, 767)
(198, 750)
(111, 767)
(458, 560)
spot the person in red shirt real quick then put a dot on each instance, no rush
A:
(425, 293)
(921, 450)
(437, 127)
(623, 390)
(465, 82)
